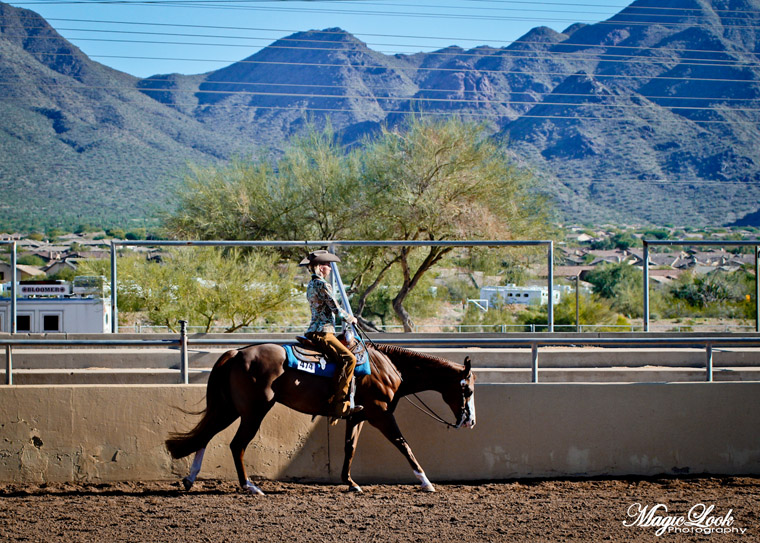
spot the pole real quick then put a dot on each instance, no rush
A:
(646, 286)
(550, 267)
(183, 365)
(577, 305)
(534, 362)
(757, 290)
(709, 363)
(114, 310)
(8, 365)
(14, 290)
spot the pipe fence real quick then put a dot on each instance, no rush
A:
(706, 243)
(534, 343)
(332, 244)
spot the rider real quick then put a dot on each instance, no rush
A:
(322, 330)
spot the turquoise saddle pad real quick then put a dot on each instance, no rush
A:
(325, 369)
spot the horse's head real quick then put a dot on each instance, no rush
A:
(460, 396)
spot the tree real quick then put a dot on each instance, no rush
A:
(443, 179)
(622, 284)
(427, 180)
(205, 286)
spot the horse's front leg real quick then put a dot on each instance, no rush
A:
(387, 425)
(353, 429)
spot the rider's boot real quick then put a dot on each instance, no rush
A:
(340, 406)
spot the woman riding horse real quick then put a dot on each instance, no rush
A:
(321, 331)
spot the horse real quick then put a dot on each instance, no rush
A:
(246, 383)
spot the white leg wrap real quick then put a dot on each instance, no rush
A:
(427, 486)
(252, 489)
(195, 469)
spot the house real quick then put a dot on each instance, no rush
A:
(56, 267)
(23, 272)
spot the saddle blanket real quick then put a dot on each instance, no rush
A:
(321, 367)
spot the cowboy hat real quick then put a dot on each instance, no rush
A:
(319, 257)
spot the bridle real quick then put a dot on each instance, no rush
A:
(426, 409)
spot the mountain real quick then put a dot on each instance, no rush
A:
(650, 116)
(79, 142)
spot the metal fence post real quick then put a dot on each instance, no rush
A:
(709, 363)
(646, 285)
(8, 365)
(183, 365)
(757, 290)
(550, 302)
(114, 308)
(534, 362)
(14, 290)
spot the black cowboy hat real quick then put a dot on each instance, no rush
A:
(319, 257)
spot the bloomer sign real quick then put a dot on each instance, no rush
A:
(43, 289)
(699, 520)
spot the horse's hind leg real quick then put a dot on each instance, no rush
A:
(353, 429)
(249, 425)
(195, 468)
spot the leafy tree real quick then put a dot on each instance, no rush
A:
(437, 179)
(593, 310)
(702, 290)
(622, 284)
(428, 180)
(204, 286)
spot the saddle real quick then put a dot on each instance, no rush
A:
(306, 357)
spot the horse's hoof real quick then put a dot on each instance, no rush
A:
(355, 488)
(251, 488)
(187, 483)
(427, 488)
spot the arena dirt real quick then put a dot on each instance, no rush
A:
(546, 510)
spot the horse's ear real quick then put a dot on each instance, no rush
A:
(467, 365)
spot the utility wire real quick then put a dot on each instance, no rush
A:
(593, 75)
(619, 18)
(437, 38)
(504, 55)
(478, 101)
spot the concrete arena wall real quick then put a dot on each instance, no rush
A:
(113, 433)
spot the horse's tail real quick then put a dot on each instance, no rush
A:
(181, 444)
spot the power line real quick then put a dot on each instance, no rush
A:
(420, 69)
(479, 101)
(503, 55)
(468, 113)
(383, 13)
(531, 6)
(437, 38)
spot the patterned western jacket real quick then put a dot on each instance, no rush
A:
(323, 306)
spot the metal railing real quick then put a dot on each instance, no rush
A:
(332, 244)
(534, 343)
(707, 243)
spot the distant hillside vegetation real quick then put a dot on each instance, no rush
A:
(651, 116)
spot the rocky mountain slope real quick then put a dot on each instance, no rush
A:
(650, 116)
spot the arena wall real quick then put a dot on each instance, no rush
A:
(87, 433)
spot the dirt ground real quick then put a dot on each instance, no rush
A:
(541, 510)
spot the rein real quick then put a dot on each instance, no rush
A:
(429, 412)
(426, 408)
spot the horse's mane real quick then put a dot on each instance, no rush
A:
(401, 357)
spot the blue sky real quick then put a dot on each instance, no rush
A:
(195, 36)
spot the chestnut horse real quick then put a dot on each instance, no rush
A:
(246, 383)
